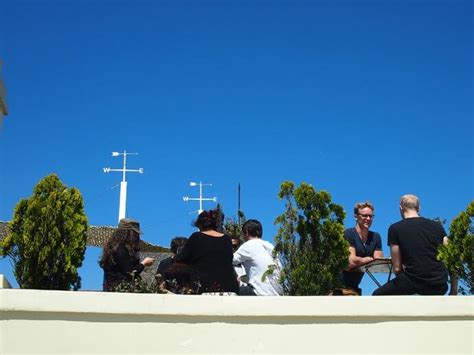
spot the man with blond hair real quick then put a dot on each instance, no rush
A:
(414, 243)
(364, 244)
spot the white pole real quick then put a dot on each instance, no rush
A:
(124, 167)
(200, 198)
(123, 183)
(123, 200)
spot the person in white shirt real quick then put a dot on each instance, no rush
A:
(256, 255)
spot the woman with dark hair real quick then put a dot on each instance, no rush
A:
(120, 259)
(210, 253)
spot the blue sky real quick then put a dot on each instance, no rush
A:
(368, 100)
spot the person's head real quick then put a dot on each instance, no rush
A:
(207, 220)
(177, 244)
(252, 228)
(127, 235)
(409, 205)
(364, 214)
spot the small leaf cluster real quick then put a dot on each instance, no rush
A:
(138, 285)
(47, 237)
(310, 241)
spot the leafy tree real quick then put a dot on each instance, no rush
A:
(458, 254)
(310, 241)
(47, 237)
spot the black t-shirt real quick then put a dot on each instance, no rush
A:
(373, 243)
(211, 257)
(418, 239)
(164, 265)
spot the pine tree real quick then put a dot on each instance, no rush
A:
(47, 237)
(310, 241)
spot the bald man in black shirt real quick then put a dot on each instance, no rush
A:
(414, 243)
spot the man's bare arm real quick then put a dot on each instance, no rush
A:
(356, 261)
(378, 254)
(396, 259)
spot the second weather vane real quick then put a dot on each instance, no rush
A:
(200, 198)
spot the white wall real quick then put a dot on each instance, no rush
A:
(35, 321)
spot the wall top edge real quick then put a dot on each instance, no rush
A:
(80, 302)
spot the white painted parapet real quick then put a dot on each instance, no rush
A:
(34, 321)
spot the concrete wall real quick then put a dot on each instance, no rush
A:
(34, 321)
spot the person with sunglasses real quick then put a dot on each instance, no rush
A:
(364, 245)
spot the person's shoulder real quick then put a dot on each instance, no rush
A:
(376, 235)
(251, 244)
(165, 263)
(397, 224)
(350, 233)
(430, 221)
(247, 244)
(434, 224)
(267, 244)
(195, 235)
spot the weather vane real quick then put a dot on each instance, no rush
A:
(123, 183)
(200, 198)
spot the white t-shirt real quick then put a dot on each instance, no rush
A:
(256, 256)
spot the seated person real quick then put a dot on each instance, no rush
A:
(209, 252)
(256, 255)
(414, 243)
(364, 245)
(176, 277)
(176, 245)
(179, 278)
(120, 259)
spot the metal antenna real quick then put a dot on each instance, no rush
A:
(238, 205)
(123, 183)
(3, 102)
(200, 198)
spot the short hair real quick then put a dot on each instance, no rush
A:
(177, 243)
(410, 202)
(253, 227)
(360, 205)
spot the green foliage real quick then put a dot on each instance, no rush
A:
(310, 241)
(137, 285)
(458, 254)
(233, 227)
(47, 237)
